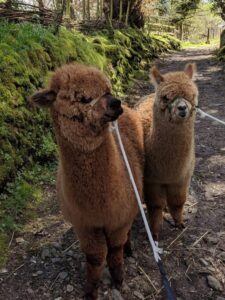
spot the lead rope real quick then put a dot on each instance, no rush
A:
(156, 250)
(204, 114)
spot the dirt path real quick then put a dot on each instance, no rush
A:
(45, 260)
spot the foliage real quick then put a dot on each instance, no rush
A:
(221, 54)
(177, 11)
(218, 6)
(21, 197)
(203, 20)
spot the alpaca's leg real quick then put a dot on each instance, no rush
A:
(116, 241)
(176, 197)
(155, 198)
(93, 244)
(127, 247)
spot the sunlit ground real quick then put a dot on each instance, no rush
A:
(190, 44)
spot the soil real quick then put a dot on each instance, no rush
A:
(45, 260)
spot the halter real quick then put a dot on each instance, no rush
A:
(80, 118)
(169, 105)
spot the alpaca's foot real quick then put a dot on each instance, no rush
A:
(179, 225)
(155, 236)
(91, 292)
(89, 296)
(128, 249)
(117, 274)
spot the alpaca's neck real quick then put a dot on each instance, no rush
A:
(170, 150)
(85, 172)
(176, 133)
(92, 155)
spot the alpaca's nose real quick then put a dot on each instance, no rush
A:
(114, 103)
(182, 109)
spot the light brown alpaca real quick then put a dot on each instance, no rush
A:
(169, 143)
(92, 184)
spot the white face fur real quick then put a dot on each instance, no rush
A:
(176, 93)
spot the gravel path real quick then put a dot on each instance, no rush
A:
(46, 262)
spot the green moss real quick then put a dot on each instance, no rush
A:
(22, 196)
(3, 249)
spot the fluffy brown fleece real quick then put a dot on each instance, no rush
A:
(92, 183)
(168, 118)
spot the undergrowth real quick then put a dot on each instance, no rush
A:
(29, 53)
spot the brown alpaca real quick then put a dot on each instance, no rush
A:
(92, 183)
(169, 143)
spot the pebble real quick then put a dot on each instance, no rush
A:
(131, 260)
(222, 256)
(212, 269)
(138, 295)
(211, 239)
(125, 288)
(63, 275)
(30, 291)
(54, 252)
(220, 298)
(116, 295)
(55, 259)
(58, 298)
(70, 253)
(106, 278)
(69, 288)
(20, 240)
(57, 245)
(45, 253)
(33, 259)
(3, 271)
(214, 283)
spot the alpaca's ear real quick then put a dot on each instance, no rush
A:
(43, 98)
(156, 76)
(190, 70)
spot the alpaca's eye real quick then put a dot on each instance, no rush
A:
(85, 99)
(165, 99)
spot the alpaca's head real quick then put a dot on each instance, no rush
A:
(176, 94)
(80, 100)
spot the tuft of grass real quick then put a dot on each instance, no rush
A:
(3, 248)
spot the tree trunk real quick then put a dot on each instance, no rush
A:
(88, 10)
(101, 8)
(68, 8)
(97, 9)
(127, 13)
(40, 5)
(84, 9)
(8, 4)
(132, 7)
(181, 31)
(111, 10)
(208, 40)
(121, 10)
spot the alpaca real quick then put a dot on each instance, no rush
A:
(92, 183)
(169, 144)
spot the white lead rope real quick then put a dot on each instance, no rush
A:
(155, 248)
(204, 114)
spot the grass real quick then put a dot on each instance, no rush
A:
(20, 201)
(199, 44)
